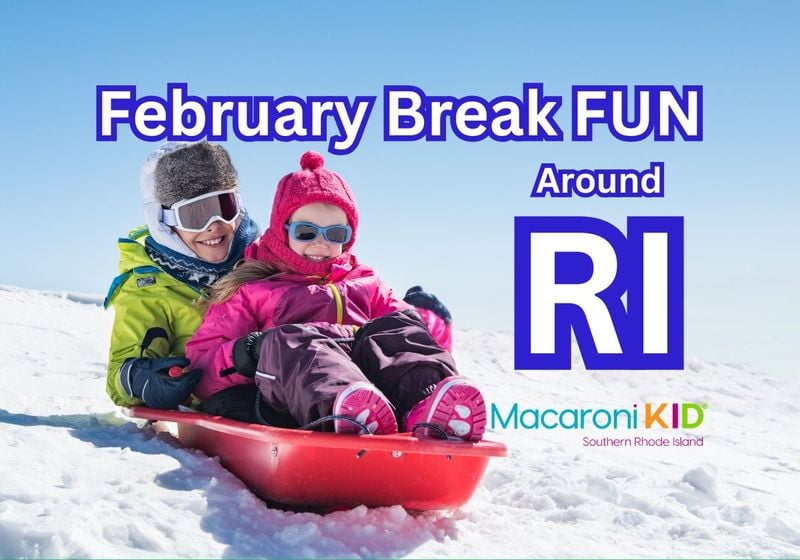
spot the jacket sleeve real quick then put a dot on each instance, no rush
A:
(440, 330)
(142, 328)
(211, 347)
(384, 300)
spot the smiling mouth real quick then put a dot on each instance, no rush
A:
(316, 258)
(213, 242)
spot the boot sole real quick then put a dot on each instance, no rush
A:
(460, 409)
(357, 399)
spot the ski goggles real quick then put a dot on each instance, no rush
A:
(307, 232)
(196, 214)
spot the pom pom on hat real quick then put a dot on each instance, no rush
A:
(311, 161)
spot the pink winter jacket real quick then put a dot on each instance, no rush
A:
(350, 295)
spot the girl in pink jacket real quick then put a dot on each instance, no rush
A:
(324, 340)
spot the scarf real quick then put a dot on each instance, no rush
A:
(195, 272)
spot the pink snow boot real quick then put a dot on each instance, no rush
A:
(365, 404)
(456, 406)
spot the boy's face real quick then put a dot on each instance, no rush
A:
(322, 215)
(212, 244)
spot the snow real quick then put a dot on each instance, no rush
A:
(79, 479)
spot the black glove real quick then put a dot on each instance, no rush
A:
(148, 379)
(245, 354)
(424, 300)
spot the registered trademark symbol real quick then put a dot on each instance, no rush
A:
(705, 405)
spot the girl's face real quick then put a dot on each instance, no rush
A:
(322, 215)
(212, 244)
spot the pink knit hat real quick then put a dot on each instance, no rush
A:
(313, 183)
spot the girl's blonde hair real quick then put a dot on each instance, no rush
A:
(244, 271)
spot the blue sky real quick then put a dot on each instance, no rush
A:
(438, 214)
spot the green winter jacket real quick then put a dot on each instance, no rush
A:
(155, 314)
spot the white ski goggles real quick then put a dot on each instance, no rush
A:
(196, 214)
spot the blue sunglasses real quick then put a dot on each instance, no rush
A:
(307, 232)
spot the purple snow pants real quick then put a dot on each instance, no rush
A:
(302, 367)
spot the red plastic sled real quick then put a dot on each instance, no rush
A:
(304, 468)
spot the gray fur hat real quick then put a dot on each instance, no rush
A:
(194, 170)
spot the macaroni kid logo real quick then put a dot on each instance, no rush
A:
(655, 416)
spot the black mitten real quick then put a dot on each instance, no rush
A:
(417, 297)
(245, 354)
(148, 379)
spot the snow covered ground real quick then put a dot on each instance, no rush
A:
(77, 479)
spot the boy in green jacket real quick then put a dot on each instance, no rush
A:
(196, 230)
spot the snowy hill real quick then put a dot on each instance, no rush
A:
(77, 479)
